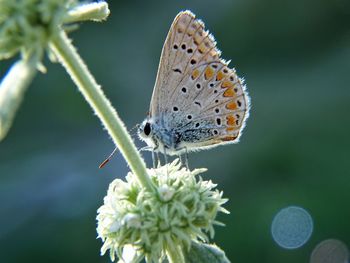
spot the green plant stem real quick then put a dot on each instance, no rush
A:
(13, 87)
(76, 68)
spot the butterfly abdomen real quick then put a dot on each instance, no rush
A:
(196, 135)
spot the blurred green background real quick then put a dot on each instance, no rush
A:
(295, 57)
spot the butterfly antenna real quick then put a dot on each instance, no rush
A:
(111, 155)
(108, 158)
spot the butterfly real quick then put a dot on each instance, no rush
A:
(198, 102)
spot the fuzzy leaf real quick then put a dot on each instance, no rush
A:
(205, 253)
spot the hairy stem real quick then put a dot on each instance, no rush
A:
(92, 92)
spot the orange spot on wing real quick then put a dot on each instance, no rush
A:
(213, 53)
(202, 49)
(230, 120)
(229, 138)
(231, 105)
(209, 73)
(196, 40)
(229, 92)
(220, 75)
(230, 129)
(226, 84)
(195, 74)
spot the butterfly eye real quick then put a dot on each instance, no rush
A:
(147, 129)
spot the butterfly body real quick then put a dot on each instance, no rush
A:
(174, 140)
(198, 102)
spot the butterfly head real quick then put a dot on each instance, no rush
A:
(145, 132)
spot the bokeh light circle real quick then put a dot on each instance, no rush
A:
(292, 227)
(330, 251)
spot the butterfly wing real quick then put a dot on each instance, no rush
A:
(184, 36)
(196, 94)
(215, 107)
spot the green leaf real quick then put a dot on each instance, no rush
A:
(205, 253)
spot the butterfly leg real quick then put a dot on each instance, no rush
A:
(146, 148)
(159, 163)
(165, 156)
(166, 160)
(181, 159)
(186, 159)
(154, 159)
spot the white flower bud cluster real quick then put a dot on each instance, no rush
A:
(26, 25)
(182, 209)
